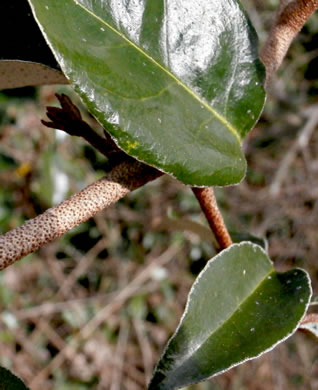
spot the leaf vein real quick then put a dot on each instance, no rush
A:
(227, 124)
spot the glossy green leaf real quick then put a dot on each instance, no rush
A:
(25, 58)
(238, 308)
(179, 81)
(8, 381)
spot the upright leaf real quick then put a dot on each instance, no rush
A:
(238, 308)
(179, 81)
(25, 58)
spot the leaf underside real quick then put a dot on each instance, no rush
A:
(178, 84)
(238, 308)
(25, 58)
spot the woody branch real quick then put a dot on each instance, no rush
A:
(290, 18)
(127, 176)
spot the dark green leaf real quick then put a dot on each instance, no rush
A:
(8, 381)
(179, 82)
(25, 58)
(238, 308)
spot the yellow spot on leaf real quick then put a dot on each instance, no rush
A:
(24, 169)
(131, 145)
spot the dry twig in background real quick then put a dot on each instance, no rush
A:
(129, 290)
(300, 143)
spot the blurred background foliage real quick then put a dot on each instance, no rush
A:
(94, 309)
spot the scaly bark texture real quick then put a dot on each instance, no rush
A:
(291, 17)
(56, 221)
(126, 177)
(212, 213)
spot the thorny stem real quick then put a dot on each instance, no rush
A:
(212, 213)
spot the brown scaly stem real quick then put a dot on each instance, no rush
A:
(212, 213)
(69, 119)
(53, 223)
(290, 18)
(127, 174)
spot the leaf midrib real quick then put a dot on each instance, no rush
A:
(231, 315)
(185, 87)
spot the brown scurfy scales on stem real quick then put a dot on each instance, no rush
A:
(126, 177)
(209, 206)
(290, 18)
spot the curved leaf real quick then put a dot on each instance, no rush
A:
(179, 81)
(238, 308)
(25, 58)
(8, 381)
